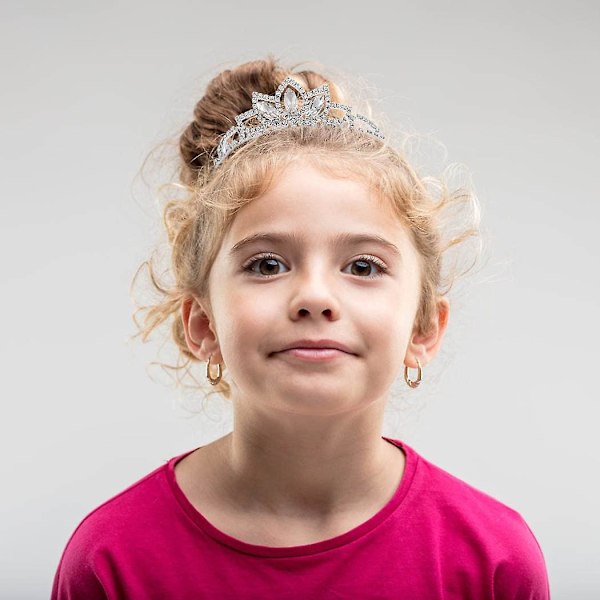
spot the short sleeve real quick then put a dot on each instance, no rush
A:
(523, 576)
(75, 577)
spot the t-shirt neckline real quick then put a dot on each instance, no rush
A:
(306, 549)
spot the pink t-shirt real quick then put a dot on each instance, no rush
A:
(438, 537)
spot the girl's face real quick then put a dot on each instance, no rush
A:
(318, 284)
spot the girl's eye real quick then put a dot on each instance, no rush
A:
(270, 262)
(267, 265)
(362, 265)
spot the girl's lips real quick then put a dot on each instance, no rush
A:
(315, 354)
(322, 344)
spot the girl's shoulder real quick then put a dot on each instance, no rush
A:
(445, 491)
(121, 509)
(467, 513)
(467, 524)
(117, 528)
(456, 493)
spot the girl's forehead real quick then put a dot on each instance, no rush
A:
(297, 215)
(304, 179)
(305, 169)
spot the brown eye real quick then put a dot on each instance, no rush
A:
(267, 263)
(365, 263)
(364, 269)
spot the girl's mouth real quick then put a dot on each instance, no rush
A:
(314, 354)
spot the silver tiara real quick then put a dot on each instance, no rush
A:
(298, 108)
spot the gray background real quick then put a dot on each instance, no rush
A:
(511, 89)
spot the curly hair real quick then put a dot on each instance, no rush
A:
(197, 220)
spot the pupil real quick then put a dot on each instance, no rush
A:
(362, 262)
(270, 260)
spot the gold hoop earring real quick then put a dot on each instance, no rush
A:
(219, 373)
(417, 381)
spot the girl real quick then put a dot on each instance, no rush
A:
(307, 261)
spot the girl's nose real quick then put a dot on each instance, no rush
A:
(314, 295)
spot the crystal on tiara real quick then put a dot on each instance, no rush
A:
(290, 106)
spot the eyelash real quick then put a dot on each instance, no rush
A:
(247, 266)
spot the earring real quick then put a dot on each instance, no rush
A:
(417, 381)
(218, 378)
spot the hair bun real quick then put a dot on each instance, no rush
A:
(226, 96)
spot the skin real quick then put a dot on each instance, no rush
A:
(306, 458)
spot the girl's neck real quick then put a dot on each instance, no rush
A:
(282, 481)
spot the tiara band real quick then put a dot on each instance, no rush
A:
(297, 108)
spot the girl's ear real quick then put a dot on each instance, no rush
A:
(198, 330)
(426, 346)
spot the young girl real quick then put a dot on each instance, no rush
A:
(307, 261)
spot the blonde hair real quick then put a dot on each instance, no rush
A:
(196, 223)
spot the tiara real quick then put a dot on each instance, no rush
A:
(297, 109)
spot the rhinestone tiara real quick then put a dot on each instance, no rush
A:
(297, 109)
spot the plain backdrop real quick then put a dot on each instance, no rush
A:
(510, 406)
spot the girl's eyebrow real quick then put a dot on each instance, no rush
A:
(338, 241)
